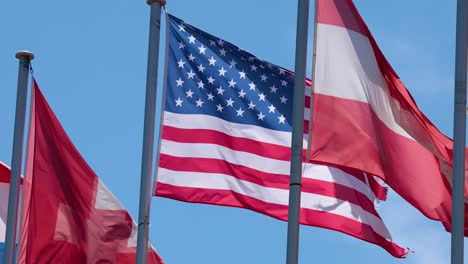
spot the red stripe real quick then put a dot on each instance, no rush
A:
(348, 133)
(307, 102)
(340, 13)
(308, 217)
(269, 180)
(235, 143)
(4, 173)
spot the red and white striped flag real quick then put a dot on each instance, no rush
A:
(226, 139)
(365, 118)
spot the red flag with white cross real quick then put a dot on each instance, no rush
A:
(71, 215)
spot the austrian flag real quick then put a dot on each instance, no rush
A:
(366, 119)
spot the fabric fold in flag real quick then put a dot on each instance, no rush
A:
(71, 215)
(365, 118)
(226, 136)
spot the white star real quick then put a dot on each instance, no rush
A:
(191, 57)
(199, 103)
(181, 45)
(232, 63)
(182, 27)
(252, 86)
(192, 39)
(230, 102)
(178, 102)
(241, 93)
(212, 61)
(220, 42)
(282, 119)
(222, 71)
(271, 109)
(264, 77)
(181, 63)
(189, 93)
(202, 49)
(253, 67)
(179, 82)
(281, 71)
(284, 83)
(283, 99)
(232, 83)
(211, 80)
(251, 58)
(261, 116)
(220, 90)
(212, 43)
(222, 52)
(220, 108)
(261, 97)
(262, 66)
(273, 89)
(269, 65)
(190, 74)
(210, 96)
(201, 68)
(240, 112)
(242, 74)
(251, 105)
(201, 85)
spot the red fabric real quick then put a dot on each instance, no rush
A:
(419, 170)
(4, 173)
(64, 224)
(308, 217)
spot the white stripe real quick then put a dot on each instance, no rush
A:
(186, 121)
(105, 200)
(4, 190)
(268, 165)
(211, 151)
(347, 68)
(272, 195)
(337, 176)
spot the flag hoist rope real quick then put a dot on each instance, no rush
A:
(148, 130)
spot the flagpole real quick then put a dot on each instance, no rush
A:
(24, 58)
(148, 130)
(459, 134)
(292, 256)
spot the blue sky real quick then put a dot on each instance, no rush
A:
(91, 65)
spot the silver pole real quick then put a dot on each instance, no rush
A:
(459, 134)
(148, 131)
(25, 58)
(292, 256)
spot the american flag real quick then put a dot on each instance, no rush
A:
(226, 136)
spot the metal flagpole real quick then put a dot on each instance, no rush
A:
(148, 130)
(25, 58)
(459, 134)
(297, 132)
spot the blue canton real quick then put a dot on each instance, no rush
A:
(207, 75)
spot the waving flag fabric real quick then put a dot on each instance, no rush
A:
(72, 217)
(4, 190)
(365, 118)
(226, 136)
